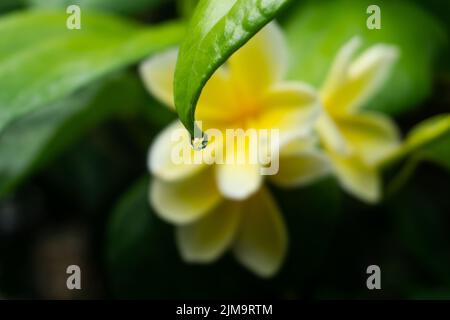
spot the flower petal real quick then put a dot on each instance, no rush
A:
(217, 102)
(261, 242)
(185, 201)
(373, 136)
(157, 73)
(369, 72)
(238, 181)
(363, 78)
(330, 134)
(171, 156)
(206, 240)
(261, 62)
(291, 107)
(301, 168)
(295, 146)
(339, 69)
(356, 177)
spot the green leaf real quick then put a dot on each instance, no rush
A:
(440, 9)
(217, 29)
(42, 61)
(118, 6)
(317, 30)
(6, 5)
(428, 137)
(186, 7)
(32, 141)
(428, 141)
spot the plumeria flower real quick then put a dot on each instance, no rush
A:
(354, 139)
(223, 206)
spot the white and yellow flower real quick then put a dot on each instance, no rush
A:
(354, 139)
(221, 206)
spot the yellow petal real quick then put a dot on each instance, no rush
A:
(362, 79)
(373, 136)
(171, 156)
(330, 135)
(339, 69)
(291, 107)
(293, 147)
(259, 63)
(301, 168)
(217, 102)
(238, 181)
(185, 201)
(206, 240)
(291, 94)
(261, 242)
(157, 74)
(369, 72)
(356, 177)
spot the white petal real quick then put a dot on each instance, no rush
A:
(330, 134)
(206, 240)
(371, 135)
(370, 71)
(291, 107)
(185, 201)
(339, 70)
(302, 168)
(357, 178)
(354, 84)
(238, 181)
(171, 156)
(157, 73)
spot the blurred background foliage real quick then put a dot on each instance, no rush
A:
(76, 123)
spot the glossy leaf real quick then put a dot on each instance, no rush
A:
(6, 5)
(428, 141)
(217, 29)
(118, 6)
(32, 141)
(186, 7)
(440, 9)
(33, 41)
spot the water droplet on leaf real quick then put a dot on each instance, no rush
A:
(199, 143)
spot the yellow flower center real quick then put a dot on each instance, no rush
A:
(247, 113)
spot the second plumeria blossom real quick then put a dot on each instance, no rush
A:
(220, 205)
(355, 139)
